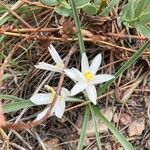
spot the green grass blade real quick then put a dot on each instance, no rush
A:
(116, 133)
(109, 7)
(95, 128)
(17, 105)
(83, 130)
(10, 97)
(78, 26)
(124, 67)
(2, 38)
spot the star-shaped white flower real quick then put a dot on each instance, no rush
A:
(47, 98)
(55, 68)
(87, 78)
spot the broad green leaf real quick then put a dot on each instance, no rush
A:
(64, 4)
(49, 2)
(81, 2)
(116, 133)
(63, 11)
(143, 30)
(142, 7)
(95, 128)
(131, 60)
(17, 106)
(107, 9)
(130, 11)
(83, 130)
(144, 18)
(89, 9)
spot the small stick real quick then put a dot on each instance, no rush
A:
(98, 42)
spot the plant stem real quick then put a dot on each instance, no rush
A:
(78, 26)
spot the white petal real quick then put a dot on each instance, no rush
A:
(74, 74)
(41, 98)
(101, 78)
(95, 64)
(80, 86)
(59, 107)
(84, 63)
(42, 114)
(64, 92)
(91, 93)
(46, 66)
(55, 55)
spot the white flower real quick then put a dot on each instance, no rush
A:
(87, 78)
(55, 68)
(47, 98)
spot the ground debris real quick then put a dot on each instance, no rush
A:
(136, 127)
(52, 144)
(100, 126)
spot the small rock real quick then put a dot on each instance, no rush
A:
(125, 119)
(136, 127)
(51, 144)
(107, 147)
(94, 148)
(90, 132)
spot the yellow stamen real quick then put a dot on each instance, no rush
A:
(59, 65)
(50, 89)
(88, 75)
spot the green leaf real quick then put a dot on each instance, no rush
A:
(49, 2)
(130, 11)
(63, 3)
(109, 7)
(143, 30)
(17, 106)
(116, 133)
(81, 2)
(89, 9)
(83, 130)
(95, 128)
(144, 18)
(131, 60)
(63, 11)
(142, 7)
(11, 97)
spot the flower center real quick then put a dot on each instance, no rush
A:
(60, 65)
(88, 75)
(51, 90)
